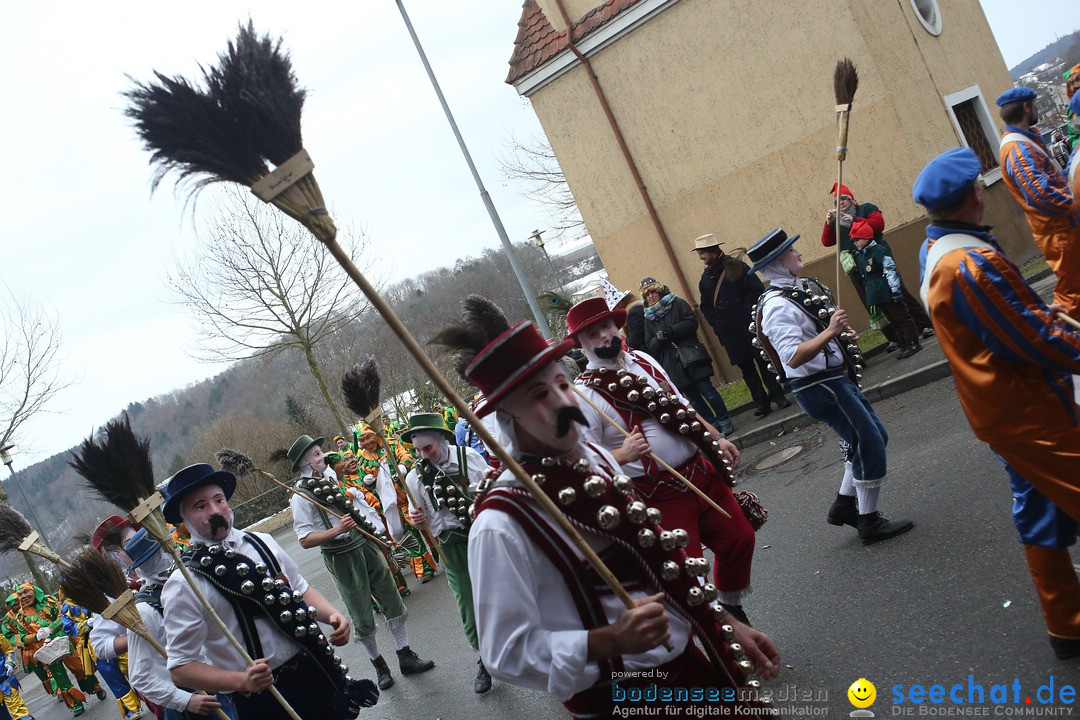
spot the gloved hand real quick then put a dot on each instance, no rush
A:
(403, 470)
(661, 336)
(369, 479)
(44, 633)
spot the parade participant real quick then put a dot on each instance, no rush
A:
(385, 464)
(728, 291)
(1041, 190)
(805, 343)
(849, 212)
(1014, 368)
(107, 640)
(9, 684)
(234, 569)
(544, 620)
(596, 330)
(341, 449)
(465, 436)
(440, 482)
(33, 619)
(1071, 173)
(75, 623)
(355, 562)
(147, 666)
(883, 288)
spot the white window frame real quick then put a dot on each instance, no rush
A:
(982, 110)
(932, 28)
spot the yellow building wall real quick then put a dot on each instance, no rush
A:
(727, 109)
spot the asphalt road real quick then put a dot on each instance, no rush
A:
(950, 599)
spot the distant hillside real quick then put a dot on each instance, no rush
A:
(1066, 47)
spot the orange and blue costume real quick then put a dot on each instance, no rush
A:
(1041, 189)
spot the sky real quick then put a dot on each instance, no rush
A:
(83, 237)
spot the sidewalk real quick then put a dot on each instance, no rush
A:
(884, 376)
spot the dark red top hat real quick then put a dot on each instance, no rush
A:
(109, 531)
(591, 311)
(510, 360)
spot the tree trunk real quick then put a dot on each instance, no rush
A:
(316, 372)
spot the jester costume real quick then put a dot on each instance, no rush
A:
(21, 627)
(9, 683)
(382, 465)
(76, 625)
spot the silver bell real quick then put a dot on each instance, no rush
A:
(623, 483)
(567, 495)
(636, 512)
(300, 632)
(684, 429)
(279, 583)
(653, 515)
(695, 426)
(285, 616)
(664, 400)
(594, 486)
(285, 598)
(247, 587)
(680, 414)
(822, 313)
(214, 549)
(695, 597)
(651, 407)
(548, 461)
(313, 628)
(344, 669)
(646, 538)
(682, 538)
(220, 570)
(633, 396)
(626, 381)
(711, 592)
(771, 367)
(726, 630)
(260, 568)
(745, 666)
(648, 393)
(581, 465)
(267, 583)
(230, 553)
(608, 517)
(243, 569)
(691, 413)
(669, 571)
(736, 649)
(667, 540)
(665, 417)
(612, 387)
(539, 478)
(206, 561)
(270, 599)
(301, 615)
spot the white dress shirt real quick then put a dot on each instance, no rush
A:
(788, 326)
(671, 447)
(146, 668)
(194, 637)
(103, 632)
(439, 520)
(529, 629)
(307, 518)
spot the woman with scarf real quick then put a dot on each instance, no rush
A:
(670, 325)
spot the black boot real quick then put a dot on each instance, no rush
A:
(382, 673)
(410, 662)
(1065, 648)
(781, 402)
(737, 612)
(762, 409)
(874, 527)
(482, 683)
(844, 511)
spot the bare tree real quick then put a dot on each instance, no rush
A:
(259, 285)
(29, 364)
(533, 162)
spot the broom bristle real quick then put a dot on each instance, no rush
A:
(13, 528)
(481, 322)
(235, 462)
(119, 469)
(92, 579)
(480, 313)
(361, 387)
(845, 81)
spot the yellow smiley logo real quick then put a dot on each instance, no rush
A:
(862, 693)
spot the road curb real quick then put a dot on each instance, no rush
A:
(887, 389)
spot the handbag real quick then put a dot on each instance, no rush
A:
(692, 356)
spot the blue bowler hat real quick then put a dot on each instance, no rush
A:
(140, 548)
(768, 248)
(947, 179)
(191, 477)
(1016, 94)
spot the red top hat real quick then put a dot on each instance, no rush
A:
(510, 360)
(591, 311)
(109, 531)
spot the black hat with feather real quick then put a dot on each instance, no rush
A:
(494, 356)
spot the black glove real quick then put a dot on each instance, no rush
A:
(359, 694)
(661, 336)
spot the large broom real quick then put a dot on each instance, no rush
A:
(92, 580)
(16, 534)
(362, 385)
(121, 472)
(240, 465)
(249, 115)
(845, 83)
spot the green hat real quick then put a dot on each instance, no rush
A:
(432, 422)
(300, 447)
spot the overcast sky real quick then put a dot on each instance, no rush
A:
(82, 236)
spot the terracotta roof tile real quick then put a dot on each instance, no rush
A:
(537, 42)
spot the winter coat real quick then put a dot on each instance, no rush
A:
(680, 328)
(878, 270)
(635, 327)
(730, 316)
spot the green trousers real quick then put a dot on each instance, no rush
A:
(359, 574)
(454, 546)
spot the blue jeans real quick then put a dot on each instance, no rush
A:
(838, 402)
(708, 403)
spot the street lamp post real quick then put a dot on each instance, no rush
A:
(35, 571)
(539, 242)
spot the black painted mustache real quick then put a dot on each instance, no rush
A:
(566, 415)
(609, 351)
(218, 522)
